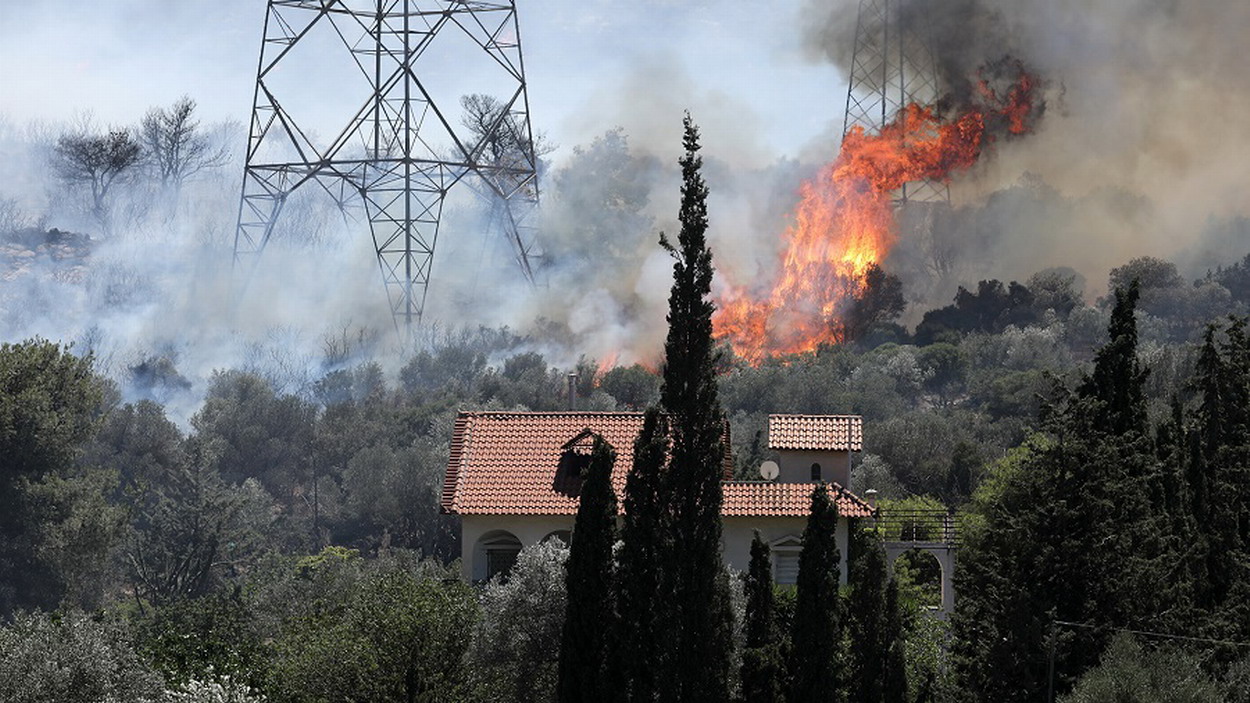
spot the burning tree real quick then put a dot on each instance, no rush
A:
(845, 223)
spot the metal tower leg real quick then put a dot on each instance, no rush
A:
(400, 150)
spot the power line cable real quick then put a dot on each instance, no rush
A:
(1148, 633)
(1050, 675)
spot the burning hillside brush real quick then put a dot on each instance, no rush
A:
(845, 222)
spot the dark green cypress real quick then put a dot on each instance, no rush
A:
(674, 591)
(763, 669)
(816, 640)
(1210, 378)
(585, 656)
(895, 689)
(1219, 478)
(1172, 440)
(867, 618)
(1118, 379)
(645, 607)
(1237, 384)
(689, 396)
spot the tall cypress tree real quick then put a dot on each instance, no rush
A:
(645, 606)
(1219, 479)
(895, 689)
(763, 669)
(689, 396)
(816, 639)
(674, 592)
(868, 617)
(1116, 384)
(585, 657)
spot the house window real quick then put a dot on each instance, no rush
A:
(500, 554)
(816, 472)
(786, 560)
(564, 536)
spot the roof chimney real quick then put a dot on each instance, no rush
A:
(573, 390)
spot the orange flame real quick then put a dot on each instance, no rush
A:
(844, 222)
(605, 365)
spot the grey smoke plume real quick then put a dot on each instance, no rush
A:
(1143, 146)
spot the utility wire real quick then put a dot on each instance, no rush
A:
(1147, 633)
(1050, 673)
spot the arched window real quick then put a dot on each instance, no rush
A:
(495, 553)
(564, 536)
(816, 472)
(786, 560)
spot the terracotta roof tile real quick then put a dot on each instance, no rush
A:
(509, 463)
(816, 432)
(765, 498)
(526, 463)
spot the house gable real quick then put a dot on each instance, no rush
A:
(815, 447)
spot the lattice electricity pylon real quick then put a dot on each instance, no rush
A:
(892, 66)
(394, 70)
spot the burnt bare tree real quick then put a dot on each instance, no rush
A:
(174, 146)
(98, 162)
(503, 137)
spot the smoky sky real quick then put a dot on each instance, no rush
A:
(162, 284)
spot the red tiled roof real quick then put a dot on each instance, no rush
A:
(764, 498)
(839, 433)
(509, 463)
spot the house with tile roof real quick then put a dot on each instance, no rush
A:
(514, 478)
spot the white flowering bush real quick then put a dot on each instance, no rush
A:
(219, 689)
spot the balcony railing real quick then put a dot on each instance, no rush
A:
(918, 526)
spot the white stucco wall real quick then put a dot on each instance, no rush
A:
(796, 466)
(528, 529)
(737, 533)
(736, 536)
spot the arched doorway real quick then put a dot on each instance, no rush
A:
(922, 570)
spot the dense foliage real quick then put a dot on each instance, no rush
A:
(763, 659)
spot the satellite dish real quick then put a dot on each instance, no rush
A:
(769, 470)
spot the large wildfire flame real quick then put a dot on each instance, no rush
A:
(845, 223)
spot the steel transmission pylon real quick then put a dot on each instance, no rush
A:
(892, 66)
(380, 104)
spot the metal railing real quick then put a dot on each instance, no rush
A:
(918, 526)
